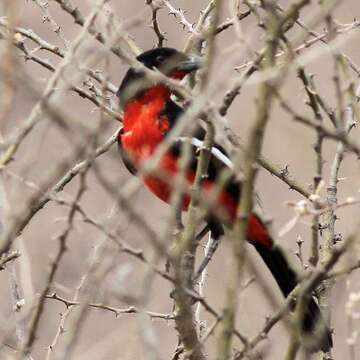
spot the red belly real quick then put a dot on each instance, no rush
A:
(257, 232)
(163, 189)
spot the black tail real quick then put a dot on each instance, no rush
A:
(287, 281)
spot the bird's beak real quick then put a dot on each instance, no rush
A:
(192, 63)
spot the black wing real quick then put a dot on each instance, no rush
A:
(173, 111)
(217, 164)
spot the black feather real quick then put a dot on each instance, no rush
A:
(125, 157)
(287, 280)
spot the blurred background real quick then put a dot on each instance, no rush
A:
(105, 336)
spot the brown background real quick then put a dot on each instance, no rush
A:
(107, 337)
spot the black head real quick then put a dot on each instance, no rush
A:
(169, 61)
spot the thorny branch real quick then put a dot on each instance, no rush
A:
(288, 47)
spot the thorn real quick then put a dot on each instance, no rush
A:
(337, 238)
(284, 171)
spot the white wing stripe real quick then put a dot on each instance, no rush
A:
(214, 150)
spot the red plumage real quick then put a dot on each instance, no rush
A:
(144, 129)
(146, 123)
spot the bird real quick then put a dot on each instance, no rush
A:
(149, 115)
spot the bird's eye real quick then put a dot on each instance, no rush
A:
(159, 58)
